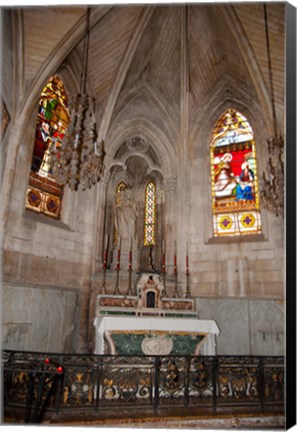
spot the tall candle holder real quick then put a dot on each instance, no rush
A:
(104, 272)
(175, 295)
(129, 291)
(117, 290)
(188, 293)
(164, 274)
(105, 265)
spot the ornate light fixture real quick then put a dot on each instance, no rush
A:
(273, 182)
(79, 162)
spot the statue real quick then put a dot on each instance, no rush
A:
(126, 214)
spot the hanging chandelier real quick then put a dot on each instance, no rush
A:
(273, 178)
(79, 164)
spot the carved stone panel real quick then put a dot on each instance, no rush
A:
(267, 327)
(39, 319)
(248, 327)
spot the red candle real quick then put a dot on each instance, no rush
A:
(187, 265)
(163, 263)
(130, 260)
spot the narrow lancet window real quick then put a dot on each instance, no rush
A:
(150, 215)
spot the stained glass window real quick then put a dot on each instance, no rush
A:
(150, 215)
(44, 195)
(235, 194)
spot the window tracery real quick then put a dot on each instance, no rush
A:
(235, 192)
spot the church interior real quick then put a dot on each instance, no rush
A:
(143, 179)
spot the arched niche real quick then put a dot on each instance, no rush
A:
(135, 165)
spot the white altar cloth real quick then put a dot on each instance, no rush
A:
(123, 323)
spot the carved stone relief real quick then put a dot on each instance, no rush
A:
(231, 317)
(34, 318)
(267, 328)
(252, 327)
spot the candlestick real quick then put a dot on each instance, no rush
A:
(118, 259)
(164, 275)
(163, 263)
(175, 273)
(105, 255)
(119, 254)
(117, 291)
(105, 259)
(188, 294)
(175, 286)
(130, 255)
(129, 291)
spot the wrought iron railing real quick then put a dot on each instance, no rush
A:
(40, 383)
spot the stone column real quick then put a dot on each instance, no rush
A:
(170, 220)
(97, 257)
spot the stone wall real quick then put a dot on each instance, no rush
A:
(39, 318)
(247, 327)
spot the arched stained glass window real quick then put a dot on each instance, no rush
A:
(44, 195)
(235, 194)
(150, 215)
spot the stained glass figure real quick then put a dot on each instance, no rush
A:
(150, 215)
(235, 194)
(44, 195)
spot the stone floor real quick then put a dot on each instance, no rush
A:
(238, 421)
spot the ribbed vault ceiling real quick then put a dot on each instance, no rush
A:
(212, 50)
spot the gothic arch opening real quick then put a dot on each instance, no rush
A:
(135, 166)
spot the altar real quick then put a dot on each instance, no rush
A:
(151, 323)
(155, 336)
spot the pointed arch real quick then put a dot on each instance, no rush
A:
(235, 192)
